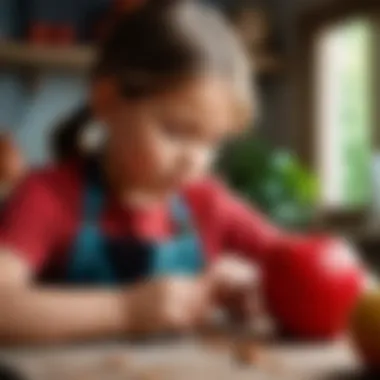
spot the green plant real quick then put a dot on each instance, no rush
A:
(274, 180)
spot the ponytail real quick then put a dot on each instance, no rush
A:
(65, 138)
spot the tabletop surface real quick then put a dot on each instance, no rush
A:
(183, 360)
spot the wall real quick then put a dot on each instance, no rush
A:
(29, 110)
(55, 96)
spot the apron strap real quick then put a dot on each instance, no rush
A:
(93, 203)
(89, 263)
(93, 200)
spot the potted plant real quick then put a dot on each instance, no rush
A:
(274, 180)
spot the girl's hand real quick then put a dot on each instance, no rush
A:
(237, 283)
(183, 304)
(169, 305)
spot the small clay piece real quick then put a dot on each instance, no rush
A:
(245, 352)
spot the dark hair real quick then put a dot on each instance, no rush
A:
(65, 137)
(158, 44)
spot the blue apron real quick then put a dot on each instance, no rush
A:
(98, 260)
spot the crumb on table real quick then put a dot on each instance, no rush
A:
(248, 353)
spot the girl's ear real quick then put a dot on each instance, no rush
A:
(104, 97)
(92, 137)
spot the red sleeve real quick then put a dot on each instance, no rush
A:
(245, 229)
(29, 221)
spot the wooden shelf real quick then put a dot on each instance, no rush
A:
(80, 58)
(37, 57)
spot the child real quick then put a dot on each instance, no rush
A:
(171, 83)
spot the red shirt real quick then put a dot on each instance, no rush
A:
(42, 219)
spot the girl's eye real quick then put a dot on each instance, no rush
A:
(183, 131)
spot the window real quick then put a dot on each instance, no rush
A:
(343, 58)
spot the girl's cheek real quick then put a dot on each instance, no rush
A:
(163, 159)
(148, 158)
(162, 151)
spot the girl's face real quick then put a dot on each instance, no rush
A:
(166, 140)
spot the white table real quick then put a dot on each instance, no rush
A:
(183, 360)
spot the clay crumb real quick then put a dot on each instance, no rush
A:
(247, 353)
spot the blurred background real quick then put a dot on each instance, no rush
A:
(312, 159)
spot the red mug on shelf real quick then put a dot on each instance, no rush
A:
(40, 34)
(50, 34)
(127, 5)
(312, 285)
(63, 34)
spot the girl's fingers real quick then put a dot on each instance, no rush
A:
(192, 301)
(237, 287)
(199, 303)
(235, 273)
(189, 305)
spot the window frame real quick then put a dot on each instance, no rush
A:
(308, 27)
